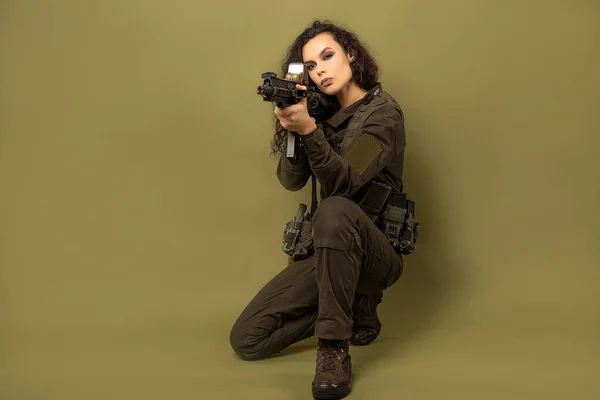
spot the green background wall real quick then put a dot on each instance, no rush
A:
(140, 210)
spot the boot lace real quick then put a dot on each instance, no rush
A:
(327, 361)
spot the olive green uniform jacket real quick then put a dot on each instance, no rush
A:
(363, 141)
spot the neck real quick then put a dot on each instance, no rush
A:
(350, 94)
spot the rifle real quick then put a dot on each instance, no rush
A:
(283, 93)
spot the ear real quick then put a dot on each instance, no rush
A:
(351, 57)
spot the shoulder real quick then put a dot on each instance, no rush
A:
(384, 108)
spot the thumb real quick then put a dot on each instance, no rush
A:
(301, 87)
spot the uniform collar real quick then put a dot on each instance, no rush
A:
(342, 115)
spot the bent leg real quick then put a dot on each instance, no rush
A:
(282, 313)
(352, 256)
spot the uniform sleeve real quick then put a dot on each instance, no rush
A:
(381, 135)
(293, 177)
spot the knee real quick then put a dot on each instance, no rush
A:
(335, 210)
(336, 222)
(246, 342)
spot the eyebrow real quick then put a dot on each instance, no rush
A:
(322, 51)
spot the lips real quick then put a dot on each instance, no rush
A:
(326, 82)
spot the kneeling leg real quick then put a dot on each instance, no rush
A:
(282, 313)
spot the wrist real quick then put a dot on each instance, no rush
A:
(310, 128)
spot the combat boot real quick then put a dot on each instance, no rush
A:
(366, 326)
(333, 372)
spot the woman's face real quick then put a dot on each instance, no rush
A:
(327, 63)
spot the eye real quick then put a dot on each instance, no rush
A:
(328, 56)
(310, 66)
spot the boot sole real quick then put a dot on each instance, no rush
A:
(371, 339)
(325, 394)
(359, 344)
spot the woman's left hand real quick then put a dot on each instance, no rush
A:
(295, 118)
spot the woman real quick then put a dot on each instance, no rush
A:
(332, 293)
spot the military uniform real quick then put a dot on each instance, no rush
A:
(315, 295)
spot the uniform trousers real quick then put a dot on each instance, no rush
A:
(314, 296)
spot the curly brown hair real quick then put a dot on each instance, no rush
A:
(365, 72)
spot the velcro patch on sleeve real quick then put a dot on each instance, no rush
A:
(365, 150)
